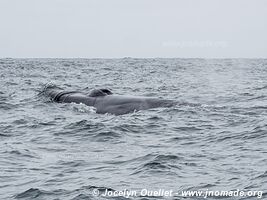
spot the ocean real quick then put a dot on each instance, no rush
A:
(214, 139)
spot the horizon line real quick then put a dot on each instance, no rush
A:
(129, 57)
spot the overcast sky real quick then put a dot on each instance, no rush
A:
(133, 28)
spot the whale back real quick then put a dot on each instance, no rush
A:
(100, 92)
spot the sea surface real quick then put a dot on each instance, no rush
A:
(215, 139)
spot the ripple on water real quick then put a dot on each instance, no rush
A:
(215, 137)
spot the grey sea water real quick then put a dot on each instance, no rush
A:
(214, 139)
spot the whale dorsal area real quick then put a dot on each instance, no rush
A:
(100, 92)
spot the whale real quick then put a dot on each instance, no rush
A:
(104, 101)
